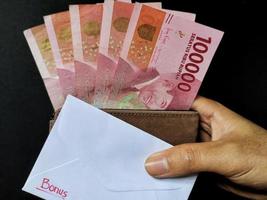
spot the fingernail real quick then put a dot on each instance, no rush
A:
(157, 165)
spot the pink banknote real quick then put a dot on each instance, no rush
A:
(39, 44)
(59, 34)
(106, 62)
(112, 36)
(163, 61)
(86, 27)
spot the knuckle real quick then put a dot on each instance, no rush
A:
(185, 157)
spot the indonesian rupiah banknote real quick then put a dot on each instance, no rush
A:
(86, 27)
(106, 59)
(163, 61)
(59, 33)
(40, 47)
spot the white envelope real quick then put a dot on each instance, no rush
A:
(91, 155)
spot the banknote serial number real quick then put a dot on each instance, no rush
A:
(195, 58)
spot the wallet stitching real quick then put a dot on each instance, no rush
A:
(155, 114)
(169, 115)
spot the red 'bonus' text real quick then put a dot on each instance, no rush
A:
(47, 186)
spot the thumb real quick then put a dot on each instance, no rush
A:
(187, 159)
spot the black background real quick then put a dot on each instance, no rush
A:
(237, 78)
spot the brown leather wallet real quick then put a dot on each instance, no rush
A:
(174, 127)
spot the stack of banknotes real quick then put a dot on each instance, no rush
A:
(121, 55)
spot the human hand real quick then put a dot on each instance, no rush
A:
(232, 146)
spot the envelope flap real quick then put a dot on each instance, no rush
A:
(57, 156)
(54, 173)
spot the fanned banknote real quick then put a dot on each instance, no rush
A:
(59, 33)
(86, 23)
(163, 61)
(39, 44)
(114, 28)
(86, 27)
(123, 55)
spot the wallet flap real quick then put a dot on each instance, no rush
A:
(174, 127)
